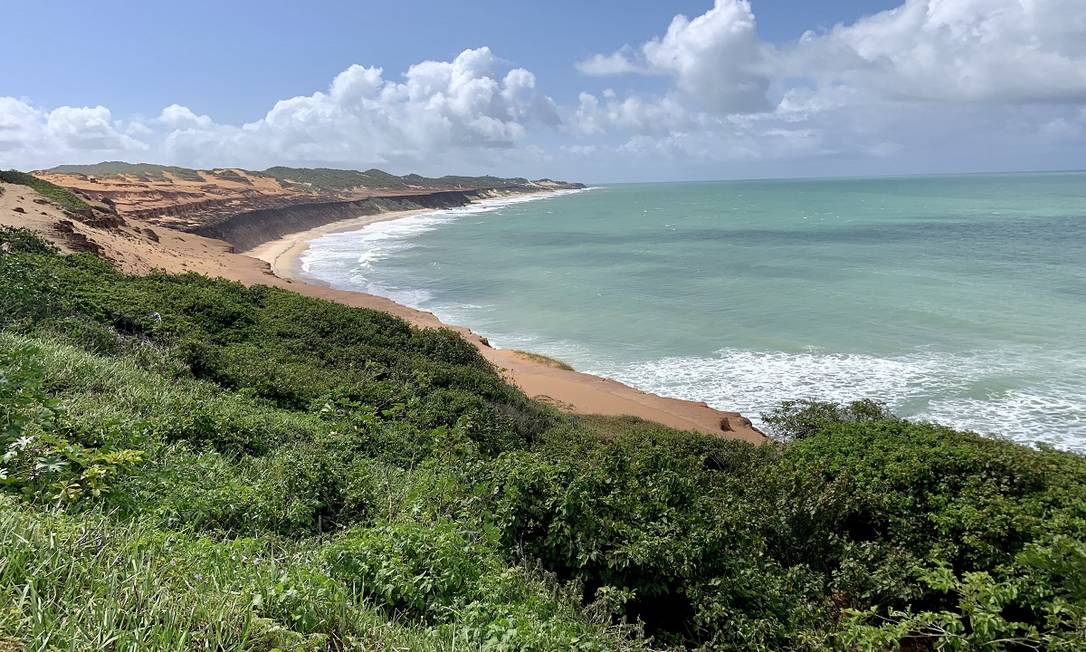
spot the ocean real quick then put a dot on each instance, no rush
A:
(956, 299)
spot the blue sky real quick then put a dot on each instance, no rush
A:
(610, 91)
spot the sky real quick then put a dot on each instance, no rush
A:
(599, 91)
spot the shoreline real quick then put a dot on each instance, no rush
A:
(567, 389)
(136, 246)
(284, 254)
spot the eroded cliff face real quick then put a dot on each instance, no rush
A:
(247, 208)
(252, 228)
(182, 203)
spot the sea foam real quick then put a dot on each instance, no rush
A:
(957, 300)
(962, 390)
(346, 259)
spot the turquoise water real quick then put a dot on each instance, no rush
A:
(960, 299)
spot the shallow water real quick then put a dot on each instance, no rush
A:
(960, 299)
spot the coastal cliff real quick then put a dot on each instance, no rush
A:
(248, 207)
(249, 229)
(192, 423)
(139, 246)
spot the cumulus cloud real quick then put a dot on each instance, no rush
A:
(597, 115)
(853, 89)
(620, 62)
(717, 60)
(31, 134)
(1000, 51)
(473, 102)
(176, 116)
(20, 125)
(912, 83)
(955, 50)
(470, 102)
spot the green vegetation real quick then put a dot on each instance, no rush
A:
(480, 182)
(230, 175)
(335, 180)
(147, 171)
(318, 179)
(62, 196)
(190, 463)
(544, 360)
(340, 180)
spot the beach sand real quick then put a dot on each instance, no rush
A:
(139, 248)
(284, 254)
(567, 389)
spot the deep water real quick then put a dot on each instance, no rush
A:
(960, 299)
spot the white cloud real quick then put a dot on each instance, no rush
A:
(473, 103)
(905, 82)
(30, 136)
(955, 50)
(180, 117)
(440, 106)
(87, 128)
(931, 80)
(20, 125)
(716, 59)
(621, 62)
(999, 51)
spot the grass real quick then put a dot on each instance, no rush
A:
(62, 196)
(231, 175)
(90, 583)
(326, 179)
(149, 171)
(331, 179)
(193, 464)
(340, 180)
(543, 360)
(208, 549)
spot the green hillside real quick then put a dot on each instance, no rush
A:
(338, 180)
(62, 196)
(321, 179)
(116, 168)
(331, 179)
(193, 464)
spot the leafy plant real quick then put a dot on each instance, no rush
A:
(36, 459)
(803, 418)
(195, 463)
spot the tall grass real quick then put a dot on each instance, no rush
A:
(90, 583)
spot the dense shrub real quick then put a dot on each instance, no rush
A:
(23, 241)
(194, 463)
(424, 570)
(802, 418)
(38, 458)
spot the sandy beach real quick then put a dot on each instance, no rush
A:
(284, 254)
(567, 389)
(139, 247)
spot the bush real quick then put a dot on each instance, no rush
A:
(799, 419)
(424, 571)
(23, 241)
(193, 462)
(62, 196)
(37, 459)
